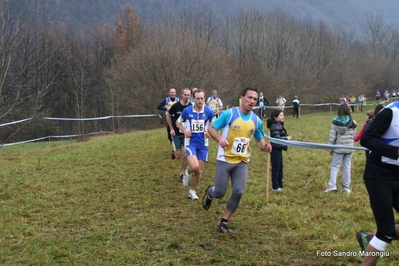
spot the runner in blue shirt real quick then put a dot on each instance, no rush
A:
(165, 106)
(194, 122)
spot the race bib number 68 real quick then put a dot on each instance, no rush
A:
(240, 146)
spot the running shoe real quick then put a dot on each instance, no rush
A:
(206, 200)
(346, 190)
(277, 189)
(222, 227)
(192, 194)
(364, 238)
(330, 190)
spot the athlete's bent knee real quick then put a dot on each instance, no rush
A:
(237, 193)
(218, 193)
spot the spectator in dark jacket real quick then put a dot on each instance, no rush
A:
(276, 126)
(295, 105)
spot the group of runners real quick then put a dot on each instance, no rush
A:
(191, 127)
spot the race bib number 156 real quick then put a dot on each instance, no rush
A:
(197, 126)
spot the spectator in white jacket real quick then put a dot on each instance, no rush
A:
(343, 129)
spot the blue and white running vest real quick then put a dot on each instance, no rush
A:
(391, 136)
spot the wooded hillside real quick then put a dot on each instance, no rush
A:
(64, 71)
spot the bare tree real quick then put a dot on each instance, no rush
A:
(12, 33)
(380, 64)
(178, 53)
(25, 56)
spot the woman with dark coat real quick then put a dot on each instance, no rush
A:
(276, 126)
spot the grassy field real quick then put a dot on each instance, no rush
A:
(116, 200)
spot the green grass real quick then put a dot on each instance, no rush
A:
(115, 200)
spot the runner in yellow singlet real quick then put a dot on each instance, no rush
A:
(215, 103)
(238, 125)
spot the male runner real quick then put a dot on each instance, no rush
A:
(196, 119)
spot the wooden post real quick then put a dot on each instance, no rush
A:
(267, 177)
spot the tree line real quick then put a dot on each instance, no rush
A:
(48, 71)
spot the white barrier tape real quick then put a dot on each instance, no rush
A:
(318, 104)
(311, 145)
(102, 132)
(15, 122)
(77, 135)
(100, 118)
(25, 141)
(78, 119)
(52, 137)
(158, 115)
(272, 107)
(121, 116)
(290, 106)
